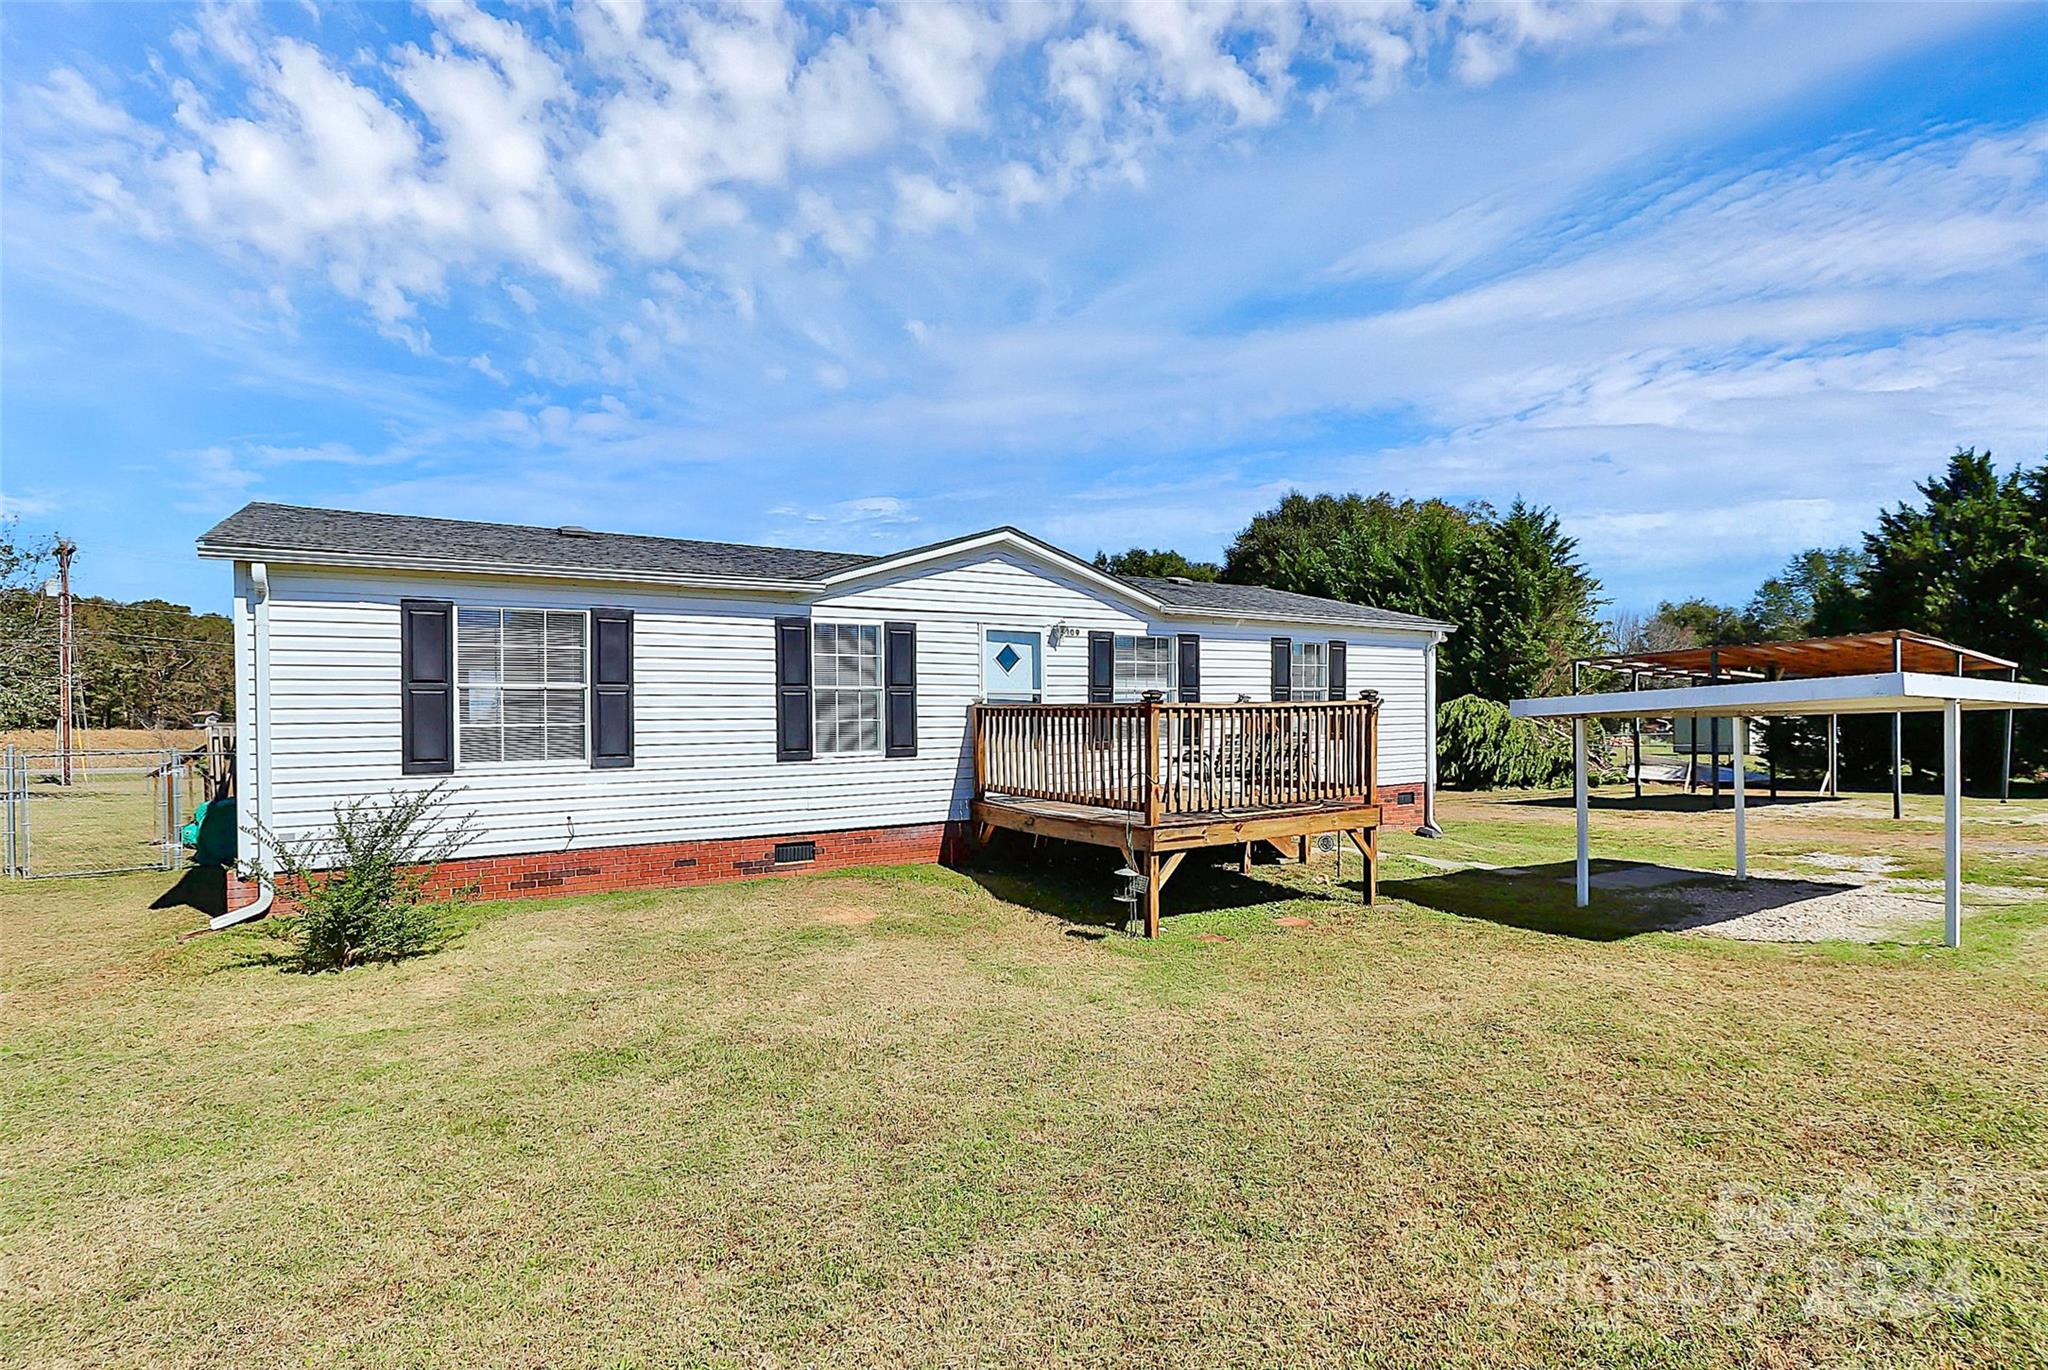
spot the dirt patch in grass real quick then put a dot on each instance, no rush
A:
(844, 915)
(1796, 911)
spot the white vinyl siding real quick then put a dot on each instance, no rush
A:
(1309, 670)
(704, 700)
(520, 685)
(1141, 664)
(846, 688)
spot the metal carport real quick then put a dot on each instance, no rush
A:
(1890, 692)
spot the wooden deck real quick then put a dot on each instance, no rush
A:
(1159, 780)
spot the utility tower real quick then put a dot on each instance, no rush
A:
(65, 550)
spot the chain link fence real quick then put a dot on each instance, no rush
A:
(94, 812)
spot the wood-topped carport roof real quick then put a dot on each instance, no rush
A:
(1810, 658)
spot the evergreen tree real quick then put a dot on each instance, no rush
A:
(1523, 604)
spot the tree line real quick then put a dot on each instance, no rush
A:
(145, 664)
(1966, 561)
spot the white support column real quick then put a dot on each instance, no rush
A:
(1740, 749)
(1585, 884)
(1952, 821)
(1832, 789)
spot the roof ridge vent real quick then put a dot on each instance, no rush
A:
(574, 530)
(1181, 580)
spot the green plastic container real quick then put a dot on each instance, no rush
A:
(211, 833)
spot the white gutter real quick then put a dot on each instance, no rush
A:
(1429, 827)
(255, 768)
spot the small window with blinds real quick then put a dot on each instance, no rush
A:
(846, 688)
(1310, 670)
(522, 682)
(1141, 664)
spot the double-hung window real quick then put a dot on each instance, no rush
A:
(846, 688)
(1141, 664)
(1309, 671)
(522, 682)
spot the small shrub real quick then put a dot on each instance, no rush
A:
(1481, 746)
(360, 884)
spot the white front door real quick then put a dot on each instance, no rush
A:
(1010, 666)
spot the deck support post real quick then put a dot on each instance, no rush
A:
(1738, 748)
(1153, 881)
(1952, 822)
(1579, 803)
(1367, 840)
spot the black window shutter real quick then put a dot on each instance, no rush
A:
(1188, 670)
(1283, 669)
(611, 688)
(899, 675)
(1102, 668)
(1338, 649)
(426, 667)
(792, 689)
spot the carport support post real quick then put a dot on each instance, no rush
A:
(1579, 801)
(1635, 733)
(1833, 788)
(1713, 727)
(1739, 747)
(1898, 738)
(2005, 770)
(1952, 821)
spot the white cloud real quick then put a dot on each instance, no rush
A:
(923, 205)
(647, 136)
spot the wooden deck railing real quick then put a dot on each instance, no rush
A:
(1159, 760)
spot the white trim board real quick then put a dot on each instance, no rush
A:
(1890, 692)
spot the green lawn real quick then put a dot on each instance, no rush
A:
(918, 1115)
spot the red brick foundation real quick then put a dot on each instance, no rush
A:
(711, 861)
(1401, 805)
(651, 865)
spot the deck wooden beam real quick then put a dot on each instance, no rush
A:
(1113, 827)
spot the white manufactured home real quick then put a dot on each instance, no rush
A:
(620, 709)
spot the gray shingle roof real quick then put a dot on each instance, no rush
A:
(287, 527)
(1256, 601)
(347, 536)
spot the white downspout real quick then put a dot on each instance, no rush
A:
(252, 761)
(1429, 827)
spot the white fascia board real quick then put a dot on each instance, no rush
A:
(349, 561)
(1889, 692)
(1430, 631)
(997, 539)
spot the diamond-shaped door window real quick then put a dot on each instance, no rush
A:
(1008, 658)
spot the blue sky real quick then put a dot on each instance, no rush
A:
(1714, 282)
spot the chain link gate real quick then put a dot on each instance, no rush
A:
(106, 811)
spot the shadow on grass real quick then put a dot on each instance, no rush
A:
(1539, 898)
(1076, 882)
(204, 888)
